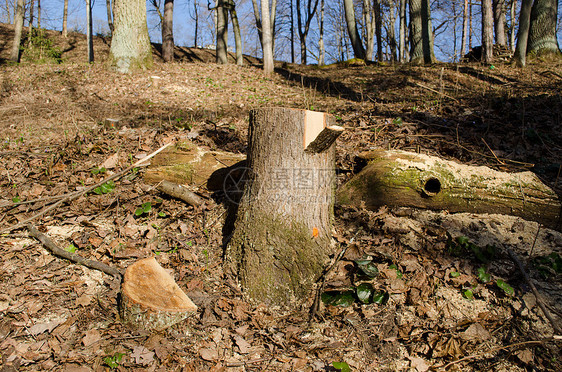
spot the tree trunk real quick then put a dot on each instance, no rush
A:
(267, 38)
(89, 33)
(512, 25)
(520, 55)
(109, 15)
(130, 45)
(391, 33)
(31, 15)
(282, 233)
(499, 9)
(402, 31)
(222, 32)
(236, 30)
(369, 21)
(406, 179)
(303, 29)
(321, 48)
(487, 32)
(421, 50)
(356, 43)
(168, 31)
(39, 14)
(196, 16)
(18, 23)
(378, 29)
(464, 29)
(65, 19)
(542, 29)
(292, 33)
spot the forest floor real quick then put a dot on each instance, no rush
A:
(55, 315)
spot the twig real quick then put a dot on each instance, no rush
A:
(76, 194)
(546, 313)
(535, 241)
(492, 151)
(51, 246)
(473, 356)
(435, 91)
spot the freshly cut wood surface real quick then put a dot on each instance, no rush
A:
(151, 299)
(400, 178)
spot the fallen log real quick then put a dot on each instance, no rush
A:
(400, 178)
(189, 164)
(150, 298)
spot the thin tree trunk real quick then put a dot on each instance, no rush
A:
(391, 36)
(356, 43)
(464, 29)
(520, 55)
(292, 33)
(499, 21)
(267, 38)
(65, 19)
(321, 36)
(369, 21)
(31, 15)
(303, 31)
(89, 33)
(39, 14)
(402, 31)
(512, 25)
(470, 32)
(168, 31)
(487, 32)
(109, 15)
(236, 30)
(18, 23)
(378, 29)
(196, 11)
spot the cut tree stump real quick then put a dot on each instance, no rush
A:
(150, 298)
(400, 178)
(189, 164)
(282, 233)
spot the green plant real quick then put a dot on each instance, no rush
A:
(113, 361)
(71, 248)
(508, 290)
(549, 265)
(106, 188)
(38, 48)
(16, 199)
(145, 208)
(483, 276)
(462, 245)
(341, 366)
(97, 170)
(468, 294)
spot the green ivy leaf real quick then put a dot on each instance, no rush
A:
(505, 287)
(146, 207)
(328, 297)
(16, 199)
(71, 248)
(454, 274)
(367, 267)
(468, 294)
(398, 272)
(380, 297)
(341, 366)
(364, 292)
(139, 212)
(161, 214)
(462, 240)
(483, 275)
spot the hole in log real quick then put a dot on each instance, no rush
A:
(431, 187)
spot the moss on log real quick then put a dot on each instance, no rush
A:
(399, 178)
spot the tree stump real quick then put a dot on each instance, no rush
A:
(282, 233)
(150, 298)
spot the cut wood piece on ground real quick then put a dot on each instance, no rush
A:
(150, 298)
(180, 192)
(189, 164)
(400, 178)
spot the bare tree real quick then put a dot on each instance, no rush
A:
(542, 29)
(421, 40)
(222, 32)
(109, 15)
(402, 31)
(499, 10)
(303, 31)
(265, 20)
(354, 36)
(168, 31)
(322, 52)
(236, 30)
(464, 28)
(18, 23)
(487, 31)
(520, 55)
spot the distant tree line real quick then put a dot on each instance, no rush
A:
(371, 30)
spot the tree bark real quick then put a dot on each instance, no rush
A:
(130, 45)
(520, 55)
(391, 33)
(282, 233)
(378, 29)
(369, 28)
(512, 25)
(402, 31)
(322, 51)
(400, 178)
(303, 31)
(168, 31)
(421, 40)
(358, 49)
(487, 32)
(464, 29)
(542, 29)
(18, 23)
(222, 32)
